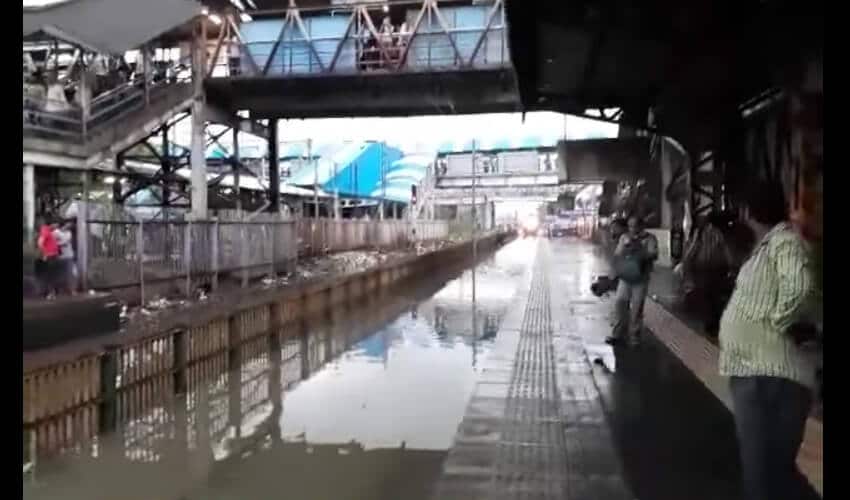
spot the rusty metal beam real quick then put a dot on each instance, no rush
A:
(490, 16)
(444, 25)
(223, 33)
(254, 68)
(413, 32)
(303, 29)
(214, 138)
(338, 51)
(153, 150)
(286, 21)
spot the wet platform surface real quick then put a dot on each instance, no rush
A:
(559, 414)
(411, 395)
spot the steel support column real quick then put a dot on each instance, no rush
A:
(236, 168)
(29, 204)
(274, 168)
(85, 97)
(165, 165)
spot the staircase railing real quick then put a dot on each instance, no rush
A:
(45, 117)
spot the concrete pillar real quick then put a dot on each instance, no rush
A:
(274, 168)
(29, 205)
(198, 156)
(83, 231)
(667, 168)
(146, 72)
(84, 98)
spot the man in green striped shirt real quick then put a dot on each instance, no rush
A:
(770, 377)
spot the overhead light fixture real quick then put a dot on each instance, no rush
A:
(205, 11)
(386, 8)
(246, 18)
(109, 179)
(215, 18)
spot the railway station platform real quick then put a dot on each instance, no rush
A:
(492, 382)
(556, 413)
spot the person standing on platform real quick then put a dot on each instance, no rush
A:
(770, 378)
(48, 251)
(66, 268)
(636, 252)
(707, 271)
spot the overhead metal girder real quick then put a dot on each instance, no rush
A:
(214, 114)
(538, 192)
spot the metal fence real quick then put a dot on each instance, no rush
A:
(124, 254)
(321, 236)
(120, 254)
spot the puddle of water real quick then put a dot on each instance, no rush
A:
(361, 406)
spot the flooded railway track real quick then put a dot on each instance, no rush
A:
(139, 400)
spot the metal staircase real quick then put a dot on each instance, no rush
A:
(117, 120)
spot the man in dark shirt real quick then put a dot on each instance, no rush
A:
(636, 252)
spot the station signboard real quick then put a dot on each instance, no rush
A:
(598, 160)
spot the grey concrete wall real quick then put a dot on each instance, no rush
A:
(595, 160)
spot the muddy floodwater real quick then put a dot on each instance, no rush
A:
(360, 404)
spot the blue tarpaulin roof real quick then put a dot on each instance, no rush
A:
(355, 170)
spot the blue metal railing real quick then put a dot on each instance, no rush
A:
(471, 37)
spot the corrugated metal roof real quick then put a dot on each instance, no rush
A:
(109, 26)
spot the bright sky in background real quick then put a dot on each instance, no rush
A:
(41, 3)
(425, 134)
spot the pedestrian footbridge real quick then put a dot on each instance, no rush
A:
(364, 60)
(355, 60)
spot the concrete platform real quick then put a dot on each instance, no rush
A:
(535, 426)
(559, 414)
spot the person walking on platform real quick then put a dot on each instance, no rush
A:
(770, 378)
(634, 256)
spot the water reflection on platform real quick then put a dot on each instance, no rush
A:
(362, 403)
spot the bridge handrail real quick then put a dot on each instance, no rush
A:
(131, 94)
(67, 123)
(106, 106)
(322, 59)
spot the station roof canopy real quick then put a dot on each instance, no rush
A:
(692, 63)
(108, 26)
